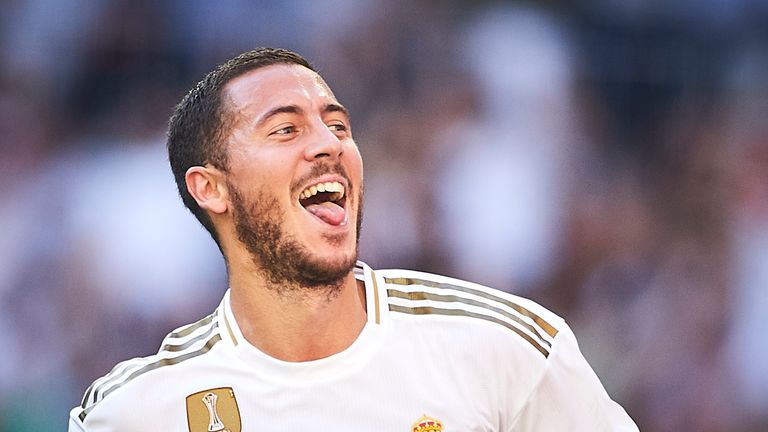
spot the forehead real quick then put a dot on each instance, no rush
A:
(281, 84)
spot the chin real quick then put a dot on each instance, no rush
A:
(335, 254)
(326, 270)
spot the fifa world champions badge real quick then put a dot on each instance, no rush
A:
(213, 410)
(427, 424)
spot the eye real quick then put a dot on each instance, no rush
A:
(287, 130)
(338, 127)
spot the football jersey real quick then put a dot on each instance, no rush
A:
(436, 354)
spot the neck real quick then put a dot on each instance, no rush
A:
(295, 323)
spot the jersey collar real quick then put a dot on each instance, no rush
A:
(342, 362)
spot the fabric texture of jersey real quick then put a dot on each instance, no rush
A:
(437, 353)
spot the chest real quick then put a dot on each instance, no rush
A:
(411, 384)
(371, 398)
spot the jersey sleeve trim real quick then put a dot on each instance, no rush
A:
(186, 343)
(449, 297)
(540, 322)
(75, 424)
(188, 329)
(428, 310)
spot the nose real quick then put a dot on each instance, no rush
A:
(323, 143)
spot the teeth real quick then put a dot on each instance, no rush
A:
(336, 187)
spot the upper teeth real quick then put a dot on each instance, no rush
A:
(333, 186)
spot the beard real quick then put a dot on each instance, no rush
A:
(285, 263)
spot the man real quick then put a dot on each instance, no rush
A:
(307, 337)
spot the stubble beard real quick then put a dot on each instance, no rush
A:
(284, 262)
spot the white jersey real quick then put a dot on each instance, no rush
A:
(437, 354)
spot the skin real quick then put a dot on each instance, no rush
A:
(288, 126)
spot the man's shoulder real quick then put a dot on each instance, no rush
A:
(523, 349)
(431, 297)
(178, 347)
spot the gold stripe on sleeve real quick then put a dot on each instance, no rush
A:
(181, 347)
(540, 322)
(113, 376)
(184, 331)
(421, 295)
(152, 366)
(428, 310)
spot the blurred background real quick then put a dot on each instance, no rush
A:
(608, 159)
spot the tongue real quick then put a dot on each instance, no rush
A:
(329, 212)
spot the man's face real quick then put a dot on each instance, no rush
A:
(291, 140)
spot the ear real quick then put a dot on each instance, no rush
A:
(207, 187)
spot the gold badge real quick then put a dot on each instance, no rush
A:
(427, 424)
(213, 410)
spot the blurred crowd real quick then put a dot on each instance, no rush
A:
(607, 159)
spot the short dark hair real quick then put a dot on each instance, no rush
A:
(199, 122)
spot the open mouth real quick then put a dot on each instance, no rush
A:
(326, 200)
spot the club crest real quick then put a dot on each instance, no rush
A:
(213, 410)
(427, 424)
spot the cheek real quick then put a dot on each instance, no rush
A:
(266, 167)
(355, 162)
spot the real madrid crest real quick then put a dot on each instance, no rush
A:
(213, 410)
(427, 424)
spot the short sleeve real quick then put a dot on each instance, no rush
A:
(570, 397)
(75, 425)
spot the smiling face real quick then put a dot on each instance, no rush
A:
(294, 176)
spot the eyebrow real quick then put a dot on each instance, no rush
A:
(294, 109)
(289, 109)
(336, 108)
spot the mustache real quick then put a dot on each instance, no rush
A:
(319, 169)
